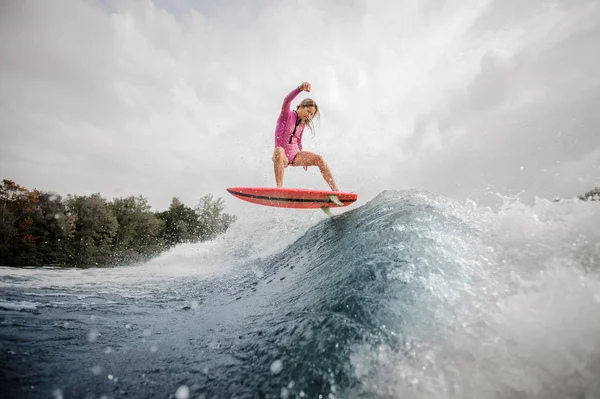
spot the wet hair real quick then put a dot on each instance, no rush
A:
(309, 102)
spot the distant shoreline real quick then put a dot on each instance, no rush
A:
(41, 228)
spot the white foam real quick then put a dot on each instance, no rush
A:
(535, 334)
(22, 305)
(253, 236)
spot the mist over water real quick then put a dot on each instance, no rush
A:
(410, 295)
(529, 330)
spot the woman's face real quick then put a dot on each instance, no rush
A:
(306, 113)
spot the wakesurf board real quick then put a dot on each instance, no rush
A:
(302, 198)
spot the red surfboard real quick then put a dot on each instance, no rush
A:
(293, 197)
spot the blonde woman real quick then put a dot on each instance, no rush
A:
(288, 138)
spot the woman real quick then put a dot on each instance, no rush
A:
(288, 138)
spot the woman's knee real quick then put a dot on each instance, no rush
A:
(320, 161)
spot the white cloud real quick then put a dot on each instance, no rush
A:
(180, 98)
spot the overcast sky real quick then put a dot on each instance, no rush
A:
(466, 98)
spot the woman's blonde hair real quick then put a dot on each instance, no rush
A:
(309, 102)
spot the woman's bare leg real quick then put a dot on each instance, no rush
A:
(306, 158)
(280, 162)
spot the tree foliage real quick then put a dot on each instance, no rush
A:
(592, 195)
(212, 218)
(95, 228)
(40, 228)
(139, 231)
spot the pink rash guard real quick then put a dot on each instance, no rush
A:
(288, 132)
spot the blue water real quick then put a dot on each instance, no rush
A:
(411, 295)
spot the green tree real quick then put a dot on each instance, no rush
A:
(95, 228)
(52, 228)
(211, 218)
(139, 232)
(592, 195)
(181, 223)
(8, 231)
(17, 239)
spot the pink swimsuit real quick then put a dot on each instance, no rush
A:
(288, 133)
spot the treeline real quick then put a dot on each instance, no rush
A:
(41, 228)
(592, 195)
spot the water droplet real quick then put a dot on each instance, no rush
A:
(96, 370)
(276, 366)
(57, 393)
(183, 392)
(93, 335)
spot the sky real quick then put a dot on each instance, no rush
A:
(467, 99)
